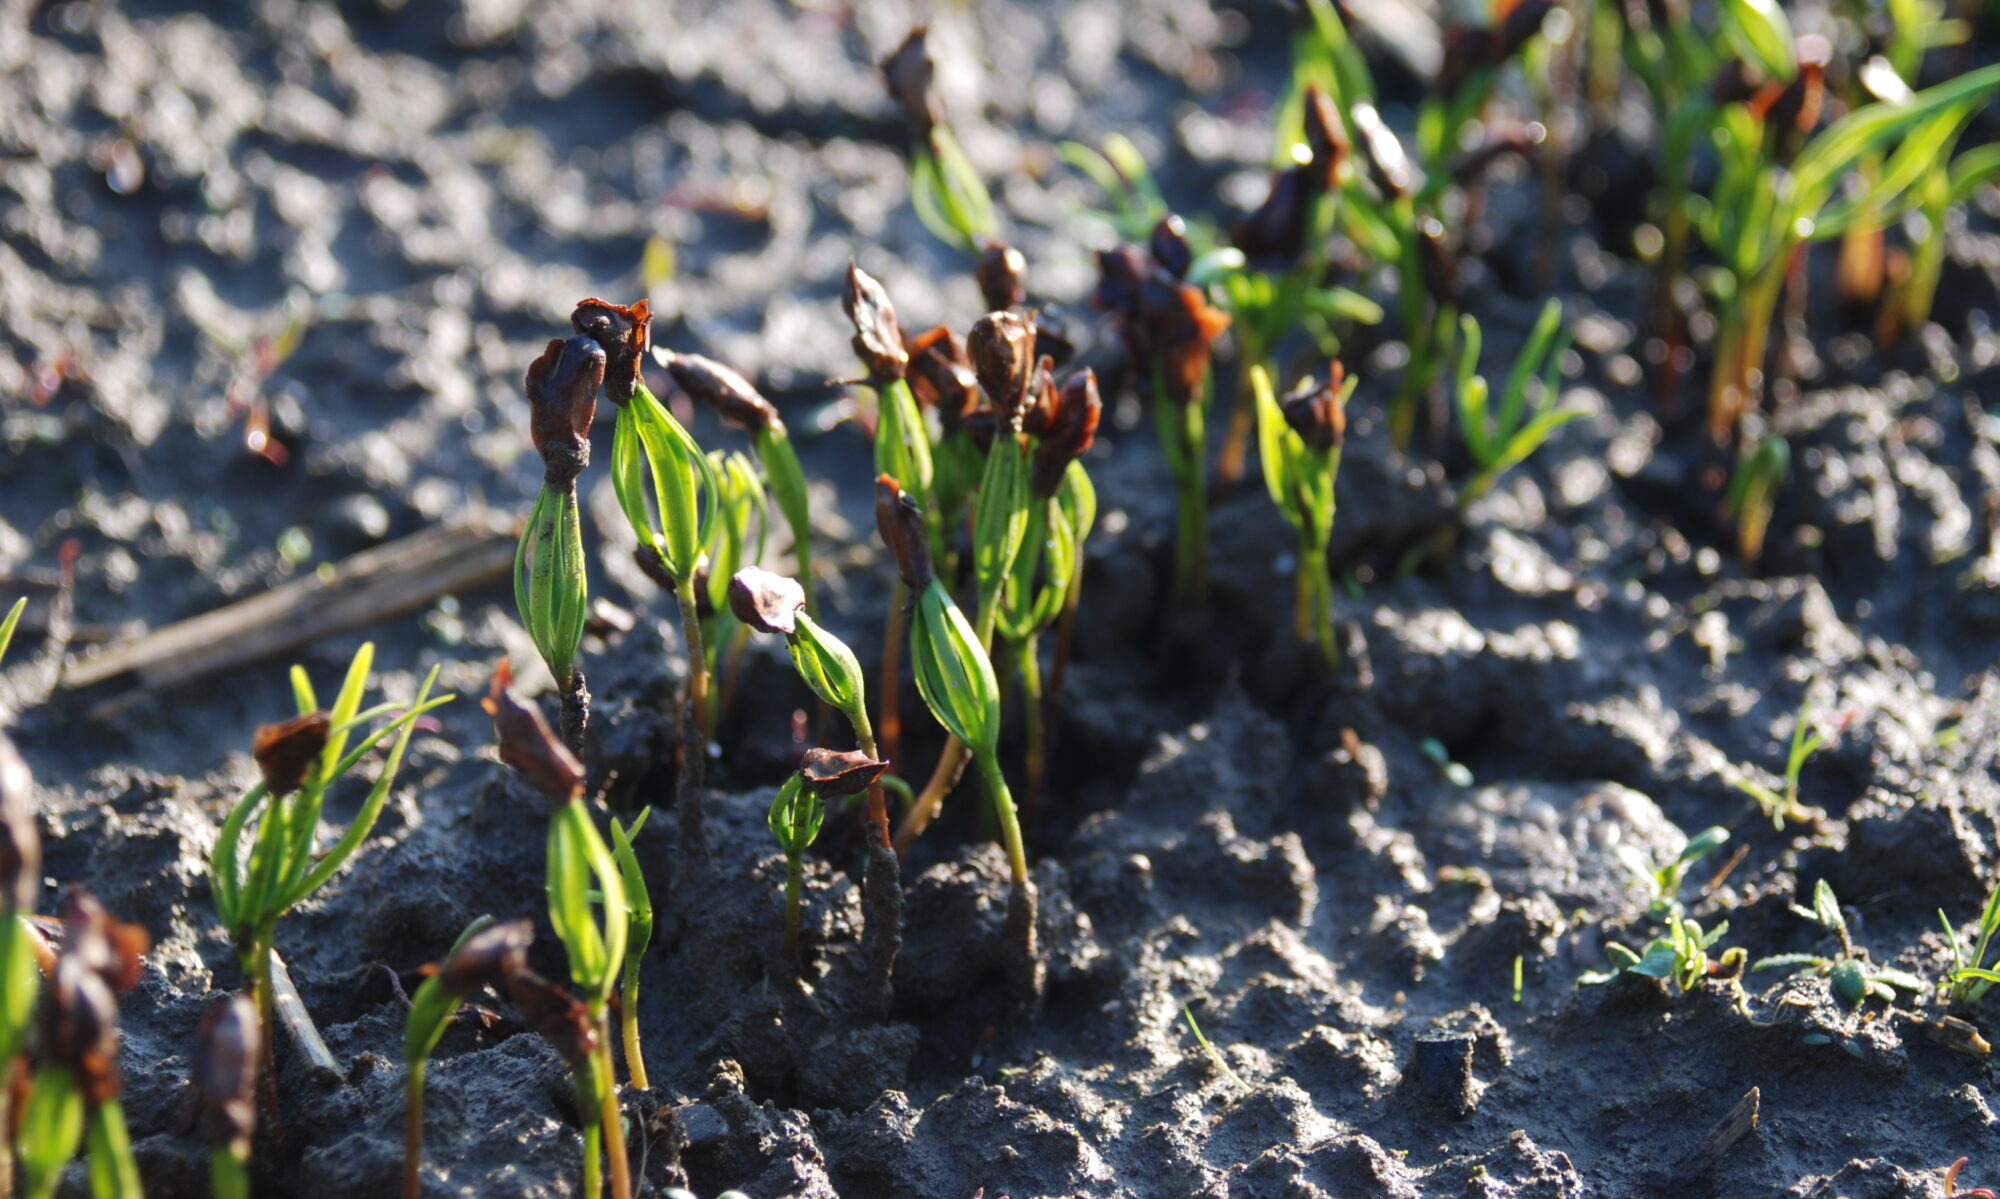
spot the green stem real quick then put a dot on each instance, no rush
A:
(1003, 811)
(1314, 619)
(611, 1119)
(229, 1177)
(694, 740)
(1191, 540)
(1028, 657)
(413, 1136)
(628, 1024)
(794, 880)
(113, 1173)
(589, 1111)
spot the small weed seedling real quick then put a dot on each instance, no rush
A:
(1753, 493)
(1215, 1057)
(580, 868)
(1971, 977)
(1498, 438)
(1680, 956)
(1854, 978)
(9, 622)
(279, 817)
(225, 1082)
(1299, 443)
(1662, 882)
(1784, 807)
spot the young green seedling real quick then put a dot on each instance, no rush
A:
(1169, 329)
(771, 603)
(639, 908)
(945, 187)
(550, 588)
(1854, 978)
(1061, 426)
(1753, 492)
(1762, 210)
(580, 867)
(227, 1053)
(1498, 438)
(484, 955)
(742, 406)
(1679, 957)
(736, 541)
(955, 677)
(1784, 807)
(1299, 443)
(1272, 280)
(798, 811)
(279, 818)
(74, 1098)
(9, 622)
(20, 887)
(669, 492)
(1662, 881)
(1971, 978)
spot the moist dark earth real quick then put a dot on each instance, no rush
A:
(1232, 828)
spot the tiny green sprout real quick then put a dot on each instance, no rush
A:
(1214, 1056)
(1498, 438)
(796, 815)
(1854, 978)
(1784, 807)
(1001, 346)
(1133, 204)
(1459, 774)
(1517, 977)
(1662, 882)
(1299, 443)
(279, 818)
(1971, 978)
(639, 903)
(9, 622)
(1753, 493)
(581, 868)
(945, 188)
(225, 1083)
(73, 1101)
(1679, 957)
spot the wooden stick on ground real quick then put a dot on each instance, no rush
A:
(376, 584)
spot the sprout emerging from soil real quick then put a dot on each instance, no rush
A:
(225, 1082)
(578, 862)
(771, 603)
(669, 492)
(279, 817)
(1853, 976)
(1299, 442)
(945, 187)
(1169, 329)
(485, 955)
(74, 1097)
(1971, 978)
(955, 677)
(550, 589)
(798, 811)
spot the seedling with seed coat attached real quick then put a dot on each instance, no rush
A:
(1299, 443)
(279, 817)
